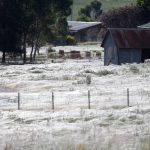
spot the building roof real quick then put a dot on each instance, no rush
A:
(75, 26)
(129, 38)
(145, 26)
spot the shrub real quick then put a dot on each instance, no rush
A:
(100, 73)
(98, 54)
(70, 40)
(51, 53)
(83, 17)
(50, 50)
(89, 71)
(88, 79)
(134, 69)
(104, 73)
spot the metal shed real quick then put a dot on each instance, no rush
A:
(122, 45)
(84, 31)
(145, 26)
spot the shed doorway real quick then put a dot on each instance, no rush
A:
(145, 54)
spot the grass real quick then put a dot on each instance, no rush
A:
(8, 147)
(134, 69)
(106, 5)
(100, 73)
(144, 143)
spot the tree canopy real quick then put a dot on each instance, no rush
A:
(125, 17)
(32, 22)
(144, 3)
(90, 12)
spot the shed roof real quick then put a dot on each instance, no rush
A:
(76, 26)
(145, 26)
(129, 38)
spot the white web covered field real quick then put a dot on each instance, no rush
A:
(108, 125)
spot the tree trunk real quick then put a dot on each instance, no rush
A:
(24, 50)
(4, 57)
(38, 50)
(35, 50)
(24, 57)
(31, 57)
(36, 45)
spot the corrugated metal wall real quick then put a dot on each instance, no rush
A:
(129, 56)
(119, 56)
(110, 52)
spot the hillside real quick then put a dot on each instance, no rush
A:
(106, 5)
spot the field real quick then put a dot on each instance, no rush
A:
(109, 125)
(106, 5)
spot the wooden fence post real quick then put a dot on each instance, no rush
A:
(89, 102)
(128, 101)
(18, 101)
(53, 101)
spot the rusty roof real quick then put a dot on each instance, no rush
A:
(129, 38)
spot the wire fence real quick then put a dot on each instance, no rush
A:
(60, 100)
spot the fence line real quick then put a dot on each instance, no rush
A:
(128, 103)
(18, 101)
(89, 99)
(53, 107)
(71, 99)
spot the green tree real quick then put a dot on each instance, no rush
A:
(33, 22)
(90, 12)
(125, 17)
(144, 3)
(60, 28)
(10, 37)
(51, 22)
(83, 17)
